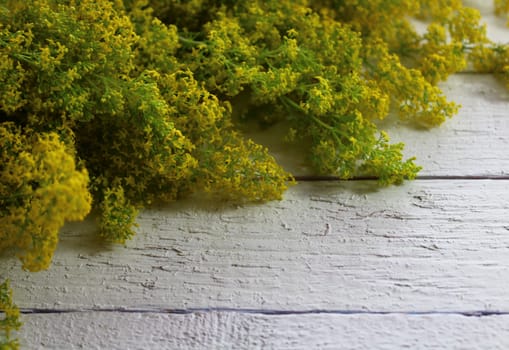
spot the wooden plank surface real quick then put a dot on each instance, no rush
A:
(424, 246)
(242, 331)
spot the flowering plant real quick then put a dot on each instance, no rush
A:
(10, 321)
(117, 104)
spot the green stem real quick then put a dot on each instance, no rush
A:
(334, 131)
(288, 102)
(190, 41)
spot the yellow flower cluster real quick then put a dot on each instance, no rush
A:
(226, 163)
(331, 68)
(415, 97)
(58, 46)
(492, 58)
(40, 189)
(10, 321)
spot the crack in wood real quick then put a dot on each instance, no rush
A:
(245, 266)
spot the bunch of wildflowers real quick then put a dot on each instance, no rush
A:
(40, 188)
(96, 104)
(297, 61)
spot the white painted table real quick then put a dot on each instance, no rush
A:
(335, 265)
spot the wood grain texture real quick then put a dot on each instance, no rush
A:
(240, 331)
(424, 246)
(472, 143)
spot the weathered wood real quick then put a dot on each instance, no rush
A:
(472, 143)
(423, 246)
(231, 330)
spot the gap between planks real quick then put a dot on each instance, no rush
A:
(317, 178)
(474, 313)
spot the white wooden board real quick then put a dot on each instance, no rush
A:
(241, 331)
(425, 246)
